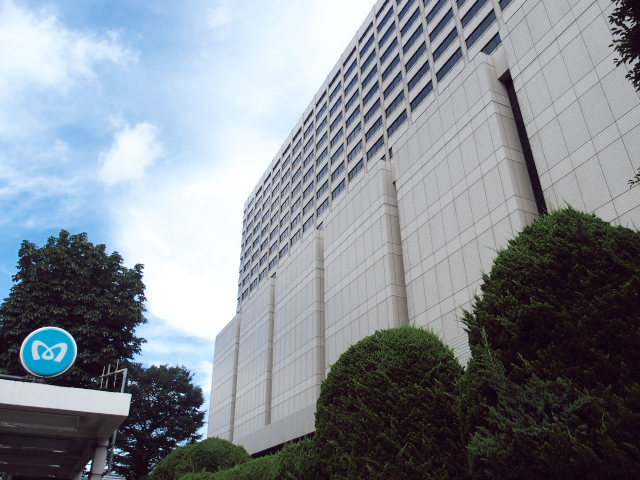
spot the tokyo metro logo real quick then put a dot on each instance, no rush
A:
(48, 352)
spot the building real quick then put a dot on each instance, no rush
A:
(446, 126)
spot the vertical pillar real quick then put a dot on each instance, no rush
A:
(99, 459)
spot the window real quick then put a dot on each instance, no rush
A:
(297, 147)
(484, 25)
(366, 47)
(374, 128)
(296, 204)
(307, 160)
(371, 93)
(321, 111)
(285, 189)
(410, 22)
(285, 217)
(323, 172)
(405, 9)
(273, 233)
(437, 53)
(308, 224)
(285, 203)
(413, 38)
(354, 133)
(285, 175)
(416, 56)
(337, 137)
(334, 79)
(387, 34)
(254, 259)
(375, 148)
(273, 248)
(336, 173)
(245, 280)
(308, 145)
(320, 142)
(418, 76)
(296, 221)
(434, 11)
(396, 101)
(372, 111)
(323, 188)
(389, 50)
(335, 91)
(284, 234)
(338, 190)
(306, 134)
(473, 11)
(322, 156)
(245, 294)
(351, 69)
(349, 56)
(254, 284)
(273, 263)
(307, 175)
(353, 116)
(352, 100)
(356, 170)
(264, 258)
(490, 47)
(443, 23)
(296, 237)
(254, 270)
(336, 155)
(284, 250)
(392, 86)
(297, 189)
(391, 67)
(296, 175)
(335, 123)
(386, 18)
(308, 190)
(352, 83)
(335, 107)
(461, 3)
(356, 150)
(262, 275)
(286, 162)
(504, 3)
(397, 122)
(264, 244)
(449, 64)
(370, 76)
(308, 206)
(323, 206)
(296, 161)
(368, 61)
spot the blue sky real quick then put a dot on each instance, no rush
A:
(146, 124)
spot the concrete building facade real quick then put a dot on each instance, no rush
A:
(446, 127)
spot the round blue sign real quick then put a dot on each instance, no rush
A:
(48, 352)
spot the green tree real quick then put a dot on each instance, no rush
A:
(387, 410)
(625, 26)
(75, 285)
(165, 413)
(553, 388)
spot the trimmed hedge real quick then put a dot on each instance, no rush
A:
(210, 455)
(553, 388)
(387, 410)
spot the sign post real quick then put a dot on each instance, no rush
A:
(48, 352)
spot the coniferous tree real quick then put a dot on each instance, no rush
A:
(553, 388)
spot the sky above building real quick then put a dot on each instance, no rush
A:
(146, 124)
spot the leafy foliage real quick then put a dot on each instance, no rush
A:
(625, 27)
(164, 414)
(298, 461)
(635, 180)
(72, 284)
(553, 388)
(263, 468)
(387, 410)
(194, 461)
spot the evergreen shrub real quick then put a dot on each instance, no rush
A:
(387, 410)
(210, 455)
(553, 388)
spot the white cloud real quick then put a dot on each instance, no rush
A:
(218, 18)
(38, 54)
(133, 150)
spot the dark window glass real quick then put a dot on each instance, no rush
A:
(410, 22)
(473, 11)
(338, 190)
(370, 76)
(396, 101)
(443, 23)
(434, 11)
(355, 170)
(337, 137)
(336, 122)
(322, 156)
(318, 115)
(418, 76)
(375, 148)
(386, 18)
(336, 173)
(368, 61)
(323, 206)
(405, 9)
(387, 35)
(372, 111)
(446, 68)
(335, 107)
(389, 50)
(397, 122)
(437, 53)
(323, 188)
(353, 116)
(392, 86)
(352, 83)
(416, 56)
(389, 70)
(336, 155)
(484, 25)
(356, 150)
(322, 125)
(371, 93)
(351, 69)
(352, 100)
(412, 39)
(354, 133)
(374, 128)
(367, 46)
(323, 172)
(335, 91)
(504, 3)
(491, 46)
